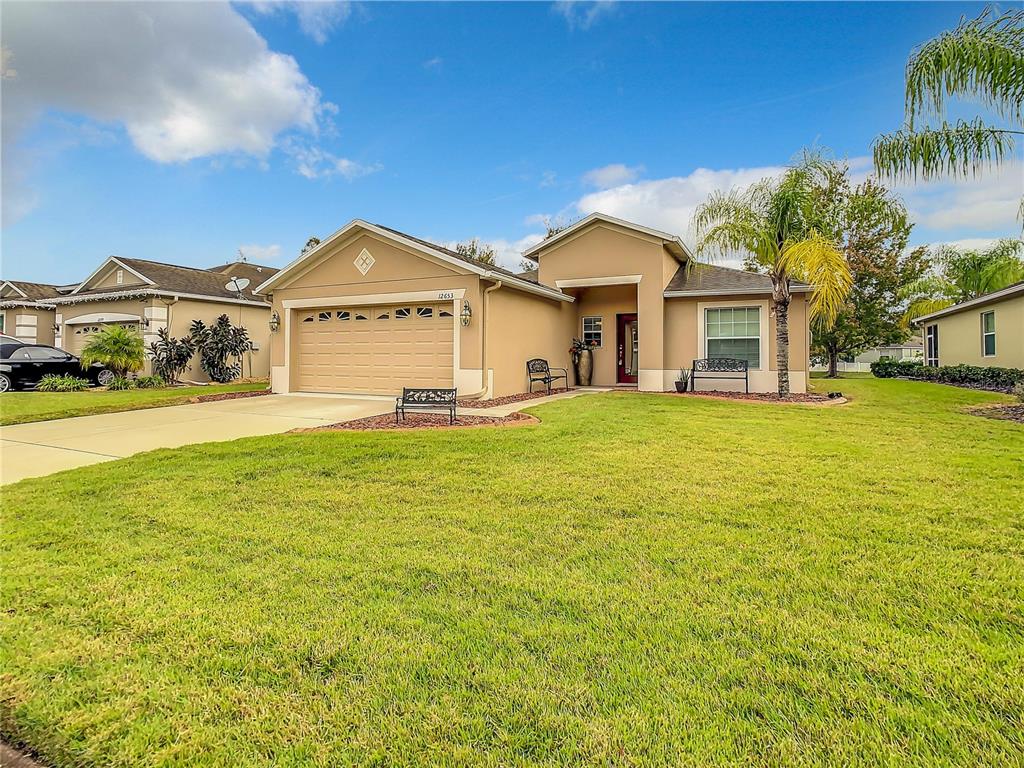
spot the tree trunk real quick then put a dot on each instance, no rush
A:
(833, 364)
(782, 345)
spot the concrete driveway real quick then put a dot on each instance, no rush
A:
(45, 447)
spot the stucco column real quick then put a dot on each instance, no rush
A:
(650, 309)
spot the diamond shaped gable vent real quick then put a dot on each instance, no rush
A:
(364, 261)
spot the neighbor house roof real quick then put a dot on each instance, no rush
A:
(488, 271)
(709, 280)
(674, 242)
(1017, 289)
(159, 278)
(27, 294)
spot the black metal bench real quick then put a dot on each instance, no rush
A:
(426, 399)
(538, 370)
(720, 368)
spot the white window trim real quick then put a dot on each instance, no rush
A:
(991, 333)
(600, 331)
(762, 322)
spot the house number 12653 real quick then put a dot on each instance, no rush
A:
(442, 295)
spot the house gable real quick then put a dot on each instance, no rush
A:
(113, 274)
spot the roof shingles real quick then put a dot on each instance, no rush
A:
(711, 279)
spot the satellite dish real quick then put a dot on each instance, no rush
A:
(237, 284)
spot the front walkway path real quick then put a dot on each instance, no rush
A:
(45, 447)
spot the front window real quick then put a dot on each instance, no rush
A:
(988, 333)
(931, 346)
(592, 333)
(734, 332)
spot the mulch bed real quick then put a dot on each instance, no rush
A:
(423, 421)
(762, 397)
(228, 396)
(511, 398)
(1006, 412)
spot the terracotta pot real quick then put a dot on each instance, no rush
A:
(584, 367)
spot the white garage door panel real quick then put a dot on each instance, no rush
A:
(374, 349)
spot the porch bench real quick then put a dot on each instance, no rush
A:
(720, 368)
(538, 369)
(426, 399)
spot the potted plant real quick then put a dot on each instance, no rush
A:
(582, 354)
(683, 381)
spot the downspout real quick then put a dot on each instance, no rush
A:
(483, 340)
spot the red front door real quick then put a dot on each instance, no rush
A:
(627, 349)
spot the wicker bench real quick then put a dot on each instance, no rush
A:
(424, 399)
(538, 369)
(720, 368)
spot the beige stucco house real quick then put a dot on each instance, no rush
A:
(26, 311)
(986, 331)
(371, 310)
(149, 295)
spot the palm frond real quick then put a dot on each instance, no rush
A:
(959, 150)
(818, 261)
(922, 307)
(982, 58)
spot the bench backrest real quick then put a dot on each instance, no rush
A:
(720, 365)
(428, 396)
(537, 365)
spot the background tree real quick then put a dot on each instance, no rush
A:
(171, 356)
(117, 347)
(312, 243)
(872, 228)
(782, 224)
(552, 226)
(218, 342)
(982, 60)
(957, 274)
(474, 249)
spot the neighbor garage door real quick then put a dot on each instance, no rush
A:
(78, 335)
(377, 350)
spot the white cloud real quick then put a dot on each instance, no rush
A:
(548, 179)
(184, 80)
(316, 163)
(988, 202)
(582, 15)
(317, 18)
(433, 63)
(612, 175)
(260, 254)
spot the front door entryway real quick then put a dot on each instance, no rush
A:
(627, 349)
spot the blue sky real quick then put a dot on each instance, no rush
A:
(183, 132)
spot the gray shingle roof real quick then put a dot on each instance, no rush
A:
(33, 291)
(204, 282)
(710, 279)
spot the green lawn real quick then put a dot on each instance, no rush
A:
(21, 407)
(639, 580)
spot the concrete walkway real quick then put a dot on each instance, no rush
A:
(45, 447)
(510, 408)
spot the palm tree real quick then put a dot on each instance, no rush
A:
(118, 347)
(961, 275)
(982, 59)
(779, 225)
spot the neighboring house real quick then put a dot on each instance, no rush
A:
(149, 295)
(370, 310)
(986, 331)
(26, 312)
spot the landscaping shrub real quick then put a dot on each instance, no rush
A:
(170, 355)
(63, 383)
(1018, 391)
(216, 343)
(150, 382)
(121, 383)
(973, 376)
(117, 347)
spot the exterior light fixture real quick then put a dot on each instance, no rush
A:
(56, 327)
(467, 314)
(275, 322)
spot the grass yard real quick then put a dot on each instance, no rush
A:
(638, 580)
(22, 407)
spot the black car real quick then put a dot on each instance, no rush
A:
(23, 365)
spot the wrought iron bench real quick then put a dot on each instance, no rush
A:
(423, 399)
(720, 368)
(538, 370)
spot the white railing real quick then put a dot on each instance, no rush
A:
(846, 367)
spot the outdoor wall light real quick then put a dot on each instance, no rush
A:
(275, 322)
(467, 313)
(56, 327)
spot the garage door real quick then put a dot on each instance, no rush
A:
(78, 335)
(377, 350)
